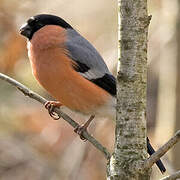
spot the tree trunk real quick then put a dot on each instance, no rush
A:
(130, 135)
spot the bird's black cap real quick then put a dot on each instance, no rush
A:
(37, 22)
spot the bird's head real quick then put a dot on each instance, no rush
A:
(35, 23)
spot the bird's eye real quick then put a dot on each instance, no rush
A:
(32, 21)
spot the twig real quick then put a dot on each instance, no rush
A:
(161, 151)
(42, 100)
(174, 176)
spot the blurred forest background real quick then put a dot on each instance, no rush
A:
(32, 145)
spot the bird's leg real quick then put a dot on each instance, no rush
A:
(80, 129)
(50, 105)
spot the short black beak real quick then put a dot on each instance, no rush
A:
(26, 31)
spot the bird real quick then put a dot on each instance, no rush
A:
(71, 70)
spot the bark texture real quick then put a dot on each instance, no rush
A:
(130, 135)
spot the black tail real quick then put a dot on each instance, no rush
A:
(159, 163)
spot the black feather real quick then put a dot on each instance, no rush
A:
(48, 19)
(80, 67)
(107, 82)
(37, 22)
(159, 163)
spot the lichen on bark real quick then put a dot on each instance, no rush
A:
(130, 134)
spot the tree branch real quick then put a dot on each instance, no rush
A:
(42, 100)
(174, 176)
(161, 151)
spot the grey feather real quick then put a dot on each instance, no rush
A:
(82, 51)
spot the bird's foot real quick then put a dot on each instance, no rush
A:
(50, 105)
(80, 129)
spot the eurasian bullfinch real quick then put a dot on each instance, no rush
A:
(71, 70)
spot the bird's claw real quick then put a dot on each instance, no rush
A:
(50, 105)
(79, 130)
(83, 128)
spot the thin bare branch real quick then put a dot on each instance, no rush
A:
(161, 151)
(37, 97)
(174, 176)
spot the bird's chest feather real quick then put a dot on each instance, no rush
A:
(46, 54)
(49, 66)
